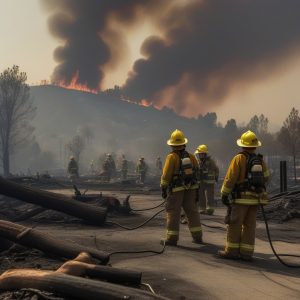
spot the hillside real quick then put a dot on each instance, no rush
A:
(118, 126)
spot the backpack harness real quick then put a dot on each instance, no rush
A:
(186, 175)
(254, 176)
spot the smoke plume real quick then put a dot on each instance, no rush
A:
(206, 48)
(212, 45)
(80, 25)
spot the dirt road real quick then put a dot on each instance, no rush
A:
(188, 271)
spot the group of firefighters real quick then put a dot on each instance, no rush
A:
(109, 169)
(188, 179)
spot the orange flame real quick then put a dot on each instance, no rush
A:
(74, 85)
(145, 103)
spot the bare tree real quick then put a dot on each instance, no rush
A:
(263, 124)
(253, 124)
(259, 124)
(16, 111)
(289, 136)
(76, 146)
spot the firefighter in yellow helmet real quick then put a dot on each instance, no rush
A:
(180, 189)
(207, 176)
(245, 181)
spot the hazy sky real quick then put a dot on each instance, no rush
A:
(25, 41)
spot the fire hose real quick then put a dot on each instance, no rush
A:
(277, 255)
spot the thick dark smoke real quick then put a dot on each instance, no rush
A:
(210, 46)
(79, 24)
(206, 48)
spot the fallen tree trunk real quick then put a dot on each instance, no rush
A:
(34, 238)
(69, 286)
(83, 266)
(90, 213)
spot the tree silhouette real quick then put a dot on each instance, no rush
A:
(16, 111)
(289, 136)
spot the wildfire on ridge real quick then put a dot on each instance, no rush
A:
(74, 85)
(143, 102)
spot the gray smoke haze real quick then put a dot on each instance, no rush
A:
(207, 47)
(79, 24)
(212, 44)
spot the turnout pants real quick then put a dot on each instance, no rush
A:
(207, 196)
(187, 200)
(241, 230)
(142, 177)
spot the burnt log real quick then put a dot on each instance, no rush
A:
(89, 213)
(70, 286)
(47, 243)
(83, 266)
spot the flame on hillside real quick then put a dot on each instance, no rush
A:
(144, 103)
(74, 85)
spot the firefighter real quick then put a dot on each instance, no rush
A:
(112, 165)
(124, 167)
(73, 168)
(106, 169)
(208, 174)
(158, 165)
(141, 170)
(92, 168)
(180, 189)
(245, 181)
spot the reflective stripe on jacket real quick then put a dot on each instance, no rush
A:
(236, 175)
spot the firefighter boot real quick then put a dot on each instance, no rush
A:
(164, 242)
(246, 257)
(227, 255)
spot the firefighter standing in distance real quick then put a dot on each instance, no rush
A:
(106, 170)
(141, 170)
(73, 168)
(180, 189)
(245, 181)
(112, 165)
(208, 174)
(124, 167)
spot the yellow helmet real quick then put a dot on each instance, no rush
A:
(248, 140)
(177, 139)
(201, 149)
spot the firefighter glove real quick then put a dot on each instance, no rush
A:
(225, 200)
(164, 192)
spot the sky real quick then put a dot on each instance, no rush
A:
(26, 41)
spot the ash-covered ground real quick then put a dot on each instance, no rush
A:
(188, 271)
